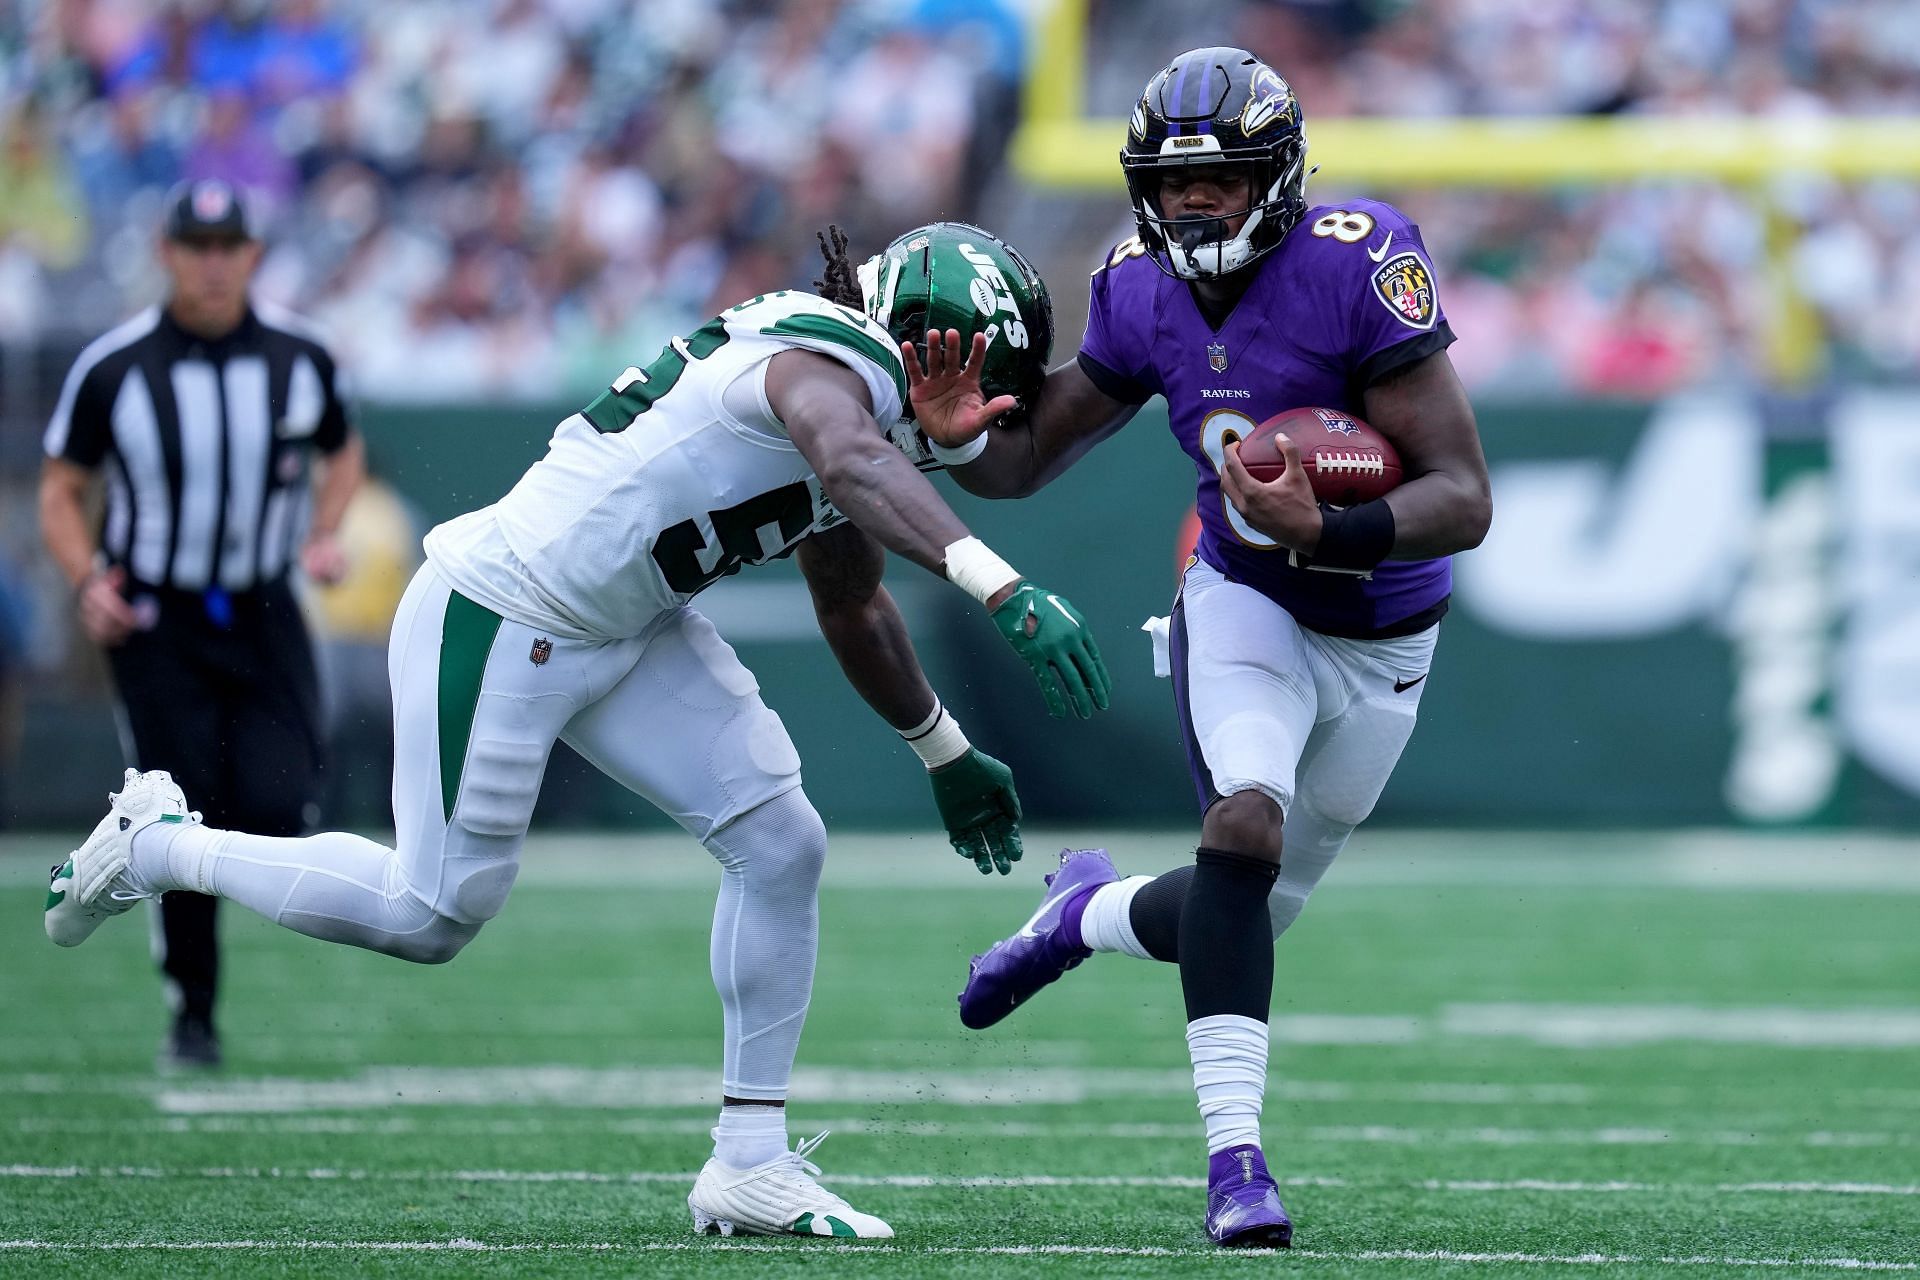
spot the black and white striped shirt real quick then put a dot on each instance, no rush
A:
(207, 444)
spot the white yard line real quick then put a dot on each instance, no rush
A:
(1701, 862)
(1013, 1250)
(600, 1088)
(969, 1131)
(1611, 1136)
(646, 1088)
(923, 1181)
(1581, 1026)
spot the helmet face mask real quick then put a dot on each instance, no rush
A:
(952, 275)
(1214, 108)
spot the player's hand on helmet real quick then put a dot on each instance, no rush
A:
(947, 401)
(1285, 508)
(980, 810)
(1054, 641)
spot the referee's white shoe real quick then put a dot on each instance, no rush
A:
(91, 885)
(778, 1198)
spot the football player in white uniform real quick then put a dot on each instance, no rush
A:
(562, 612)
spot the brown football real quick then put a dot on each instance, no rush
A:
(1347, 461)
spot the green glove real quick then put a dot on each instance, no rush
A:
(1052, 638)
(979, 809)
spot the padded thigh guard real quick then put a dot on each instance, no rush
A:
(1269, 706)
(479, 701)
(475, 719)
(1244, 681)
(686, 729)
(1313, 721)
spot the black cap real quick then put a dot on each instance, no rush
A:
(207, 210)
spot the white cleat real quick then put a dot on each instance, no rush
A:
(91, 886)
(778, 1198)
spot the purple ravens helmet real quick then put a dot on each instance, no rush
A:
(1216, 106)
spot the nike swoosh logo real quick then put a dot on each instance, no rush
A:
(1381, 252)
(1026, 932)
(1401, 686)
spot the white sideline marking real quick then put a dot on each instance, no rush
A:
(600, 1088)
(1615, 1136)
(928, 1180)
(642, 1084)
(968, 1130)
(1576, 1026)
(660, 1087)
(463, 1245)
(1702, 862)
(459, 1245)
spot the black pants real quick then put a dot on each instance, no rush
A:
(225, 700)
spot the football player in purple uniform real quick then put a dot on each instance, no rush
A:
(1301, 636)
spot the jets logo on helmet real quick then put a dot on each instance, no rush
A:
(1216, 107)
(950, 275)
(993, 295)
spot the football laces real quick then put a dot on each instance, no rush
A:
(1349, 462)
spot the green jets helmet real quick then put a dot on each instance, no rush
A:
(951, 275)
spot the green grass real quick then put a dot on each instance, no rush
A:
(1640, 1055)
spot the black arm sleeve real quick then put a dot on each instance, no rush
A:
(1112, 383)
(336, 421)
(81, 431)
(1385, 361)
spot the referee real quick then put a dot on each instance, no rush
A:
(205, 414)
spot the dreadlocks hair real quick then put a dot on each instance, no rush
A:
(841, 284)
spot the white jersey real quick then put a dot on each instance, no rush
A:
(674, 477)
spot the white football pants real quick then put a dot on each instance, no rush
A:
(1315, 722)
(478, 702)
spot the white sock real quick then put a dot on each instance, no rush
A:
(750, 1135)
(1229, 1055)
(1107, 922)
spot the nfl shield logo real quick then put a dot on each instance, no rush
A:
(542, 650)
(1217, 356)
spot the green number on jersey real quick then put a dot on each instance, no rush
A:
(690, 565)
(635, 391)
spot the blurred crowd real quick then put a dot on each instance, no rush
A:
(506, 198)
(1643, 289)
(482, 198)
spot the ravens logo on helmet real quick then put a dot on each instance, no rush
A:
(1217, 106)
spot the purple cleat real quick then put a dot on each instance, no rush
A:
(1243, 1204)
(1046, 946)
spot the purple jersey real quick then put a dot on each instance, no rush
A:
(1347, 297)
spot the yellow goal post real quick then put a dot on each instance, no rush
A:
(1059, 147)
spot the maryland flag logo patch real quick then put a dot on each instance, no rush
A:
(1405, 285)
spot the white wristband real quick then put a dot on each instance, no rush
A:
(959, 455)
(937, 740)
(975, 569)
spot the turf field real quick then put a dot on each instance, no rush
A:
(1526, 1055)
